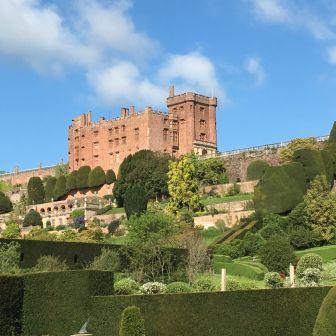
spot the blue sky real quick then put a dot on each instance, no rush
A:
(272, 63)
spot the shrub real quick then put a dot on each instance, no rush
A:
(60, 227)
(153, 288)
(178, 287)
(135, 200)
(271, 229)
(113, 226)
(83, 177)
(107, 261)
(126, 286)
(9, 258)
(251, 243)
(32, 218)
(301, 237)
(49, 263)
(309, 260)
(186, 215)
(298, 216)
(234, 190)
(132, 323)
(273, 280)
(311, 277)
(36, 193)
(233, 284)
(110, 176)
(256, 169)
(277, 254)
(60, 187)
(11, 231)
(97, 177)
(49, 188)
(287, 153)
(204, 285)
(232, 250)
(220, 225)
(5, 203)
(71, 182)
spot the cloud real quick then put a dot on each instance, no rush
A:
(271, 10)
(253, 66)
(332, 55)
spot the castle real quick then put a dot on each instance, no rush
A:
(189, 125)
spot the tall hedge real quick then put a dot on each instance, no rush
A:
(110, 176)
(36, 193)
(135, 201)
(83, 177)
(97, 177)
(5, 203)
(60, 188)
(280, 189)
(132, 323)
(32, 218)
(256, 169)
(49, 188)
(71, 182)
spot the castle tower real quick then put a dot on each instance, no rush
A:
(195, 116)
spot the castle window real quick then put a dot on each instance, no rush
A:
(95, 132)
(175, 136)
(110, 143)
(136, 133)
(202, 123)
(203, 136)
(123, 140)
(110, 131)
(202, 111)
(96, 145)
(165, 135)
(123, 128)
(116, 130)
(116, 141)
(117, 156)
(165, 121)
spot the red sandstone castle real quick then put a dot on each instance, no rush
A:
(189, 125)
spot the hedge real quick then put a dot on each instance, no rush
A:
(36, 193)
(5, 203)
(71, 182)
(97, 177)
(60, 188)
(256, 169)
(288, 311)
(110, 176)
(49, 188)
(83, 177)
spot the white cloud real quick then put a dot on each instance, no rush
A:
(271, 10)
(253, 66)
(332, 55)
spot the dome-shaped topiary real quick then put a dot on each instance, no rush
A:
(5, 203)
(97, 177)
(178, 287)
(310, 260)
(83, 177)
(32, 218)
(71, 182)
(325, 324)
(256, 170)
(110, 176)
(132, 323)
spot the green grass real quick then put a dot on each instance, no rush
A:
(209, 236)
(327, 253)
(225, 199)
(114, 211)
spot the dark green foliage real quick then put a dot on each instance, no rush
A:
(232, 250)
(256, 169)
(49, 188)
(211, 171)
(110, 176)
(325, 324)
(71, 182)
(146, 169)
(83, 177)
(274, 219)
(60, 188)
(135, 200)
(97, 177)
(280, 189)
(309, 260)
(126, 286)
(271, 229)
(287, 311)
(36, 193)
(132, 323)
(5, 203)
(252, 243)
(298, 216)
(277, 254)
(301, 237)
(32, 218)
(178, 287)
(113, 226)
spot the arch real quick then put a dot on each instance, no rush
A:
(56, 208)
(42, 210)
(204, 152)
(75, 258)
(48, 209)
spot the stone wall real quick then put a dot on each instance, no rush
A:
(223, 189)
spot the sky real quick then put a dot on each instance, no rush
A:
(271, 63)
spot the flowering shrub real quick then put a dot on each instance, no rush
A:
(311, 277)
(273, 280)
(204, 285)
(178, 287)
(309, 260)
(126, 286)
(241, 284)
(153, 288)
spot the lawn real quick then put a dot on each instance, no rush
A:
(327, 253)
(210, 235)
(225, 199)
(114, 211)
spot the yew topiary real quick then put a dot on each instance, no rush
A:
(97, 177)
(71, 183)
(256, 170)
(49, 188)
(132, 323)
(83, 177)
(32, 218)
(36, 193)
(60, 188)
(110, 176)
(5, 203)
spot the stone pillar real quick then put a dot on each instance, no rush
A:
(291, 275)
(223, 280)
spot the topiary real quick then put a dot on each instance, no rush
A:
(310, 260)
(251, 243)
(311, 277)
(132, 323)
(204, 285)
(126, 286)
(71, 182)
(36, 193)
(32, 218)
(110, 176)
(256, 169)
(135, 201)
(49, 263)
(153, 288)
(178, 287)
(241, 284)
(271, 229)
(82, 181)
(325, 324)
(49, 188)
(60, 188)
(273, 280)
(97, 177)
(5, 203)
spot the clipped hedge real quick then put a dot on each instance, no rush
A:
(256, 169)
(290, 312)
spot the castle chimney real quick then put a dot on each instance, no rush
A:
(171, 91)
(132, 110)
(124, 112)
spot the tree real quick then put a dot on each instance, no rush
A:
(110, 176)
(5, 203)
(146, 169)
(83, 177)
(71, 182)
(252, 243)
(321, 208)
(183, 185)
(60, 188)
(256, 169)
(36, 193)
(211, 171)
(277, 254)
(61, 169)
(9, 258)
(108, 260)
(32, 218)
(11, 231)
(49, 188)
(132, 323)
(286, 153)
(97, 177)
(135, 200)
(49, 263)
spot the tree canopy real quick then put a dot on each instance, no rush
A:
(36, 193)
